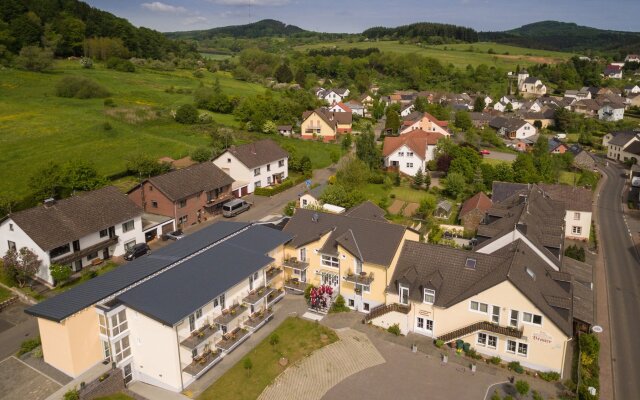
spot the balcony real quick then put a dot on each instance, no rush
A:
(202, 362)
(258, 319)
(295, 264)
(272, 273)
(232, 340)
(295, 285)
(77, 255)
(481, 326)
(198, 337)
(275, 297)
(230, 314)
(220, 199)
(257, 295)
(362, 278)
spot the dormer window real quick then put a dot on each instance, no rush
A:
(429, 296)
(404, 294)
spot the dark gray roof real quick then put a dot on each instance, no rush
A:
(510, 124)
(622, 138)
(574, 198)
(367, 210)
(633, 148)
(196, 282)
(317, 191)
(375, 241)
(94, 290)
(75, 217)
(444, 269)
(445, 205)
(502, 190)
(188, 181)
(258, 153)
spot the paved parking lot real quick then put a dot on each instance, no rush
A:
(18, 381)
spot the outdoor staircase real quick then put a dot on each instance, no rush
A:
(481, 326)
(385, 309)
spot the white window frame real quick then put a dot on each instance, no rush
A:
(576, 230)
(357, 266)
(515, 346)
(524, 354)
(303, 254)
(409, 165)
(119, 324)
(129, 245)
(480, 304)
(363, 288)
(329, 261)
(256, 172)
(495, 339)
(532, 318)
(401, 154)
(122, 349)
(481, 339)
(409, 153)
(126, 228)
(428, 296)
(402, 298)
(512, 319)
(576, 216)
(102, 322)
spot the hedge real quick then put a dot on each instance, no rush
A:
(588, 366)
(287, 184)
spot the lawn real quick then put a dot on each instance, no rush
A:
(568, 178)
(459, 55)
(5, 294)
(404, 192)
(494, 162)
(298, 338)
(36, 127)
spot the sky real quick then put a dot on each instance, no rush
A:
(352, 16)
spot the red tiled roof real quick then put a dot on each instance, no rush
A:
(479, 201)
(416, 140)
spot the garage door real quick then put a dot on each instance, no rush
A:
(244, 191)
(167, 228)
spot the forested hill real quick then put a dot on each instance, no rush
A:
(64, 25)
(564, 36)
(264, 28)
(423, 31)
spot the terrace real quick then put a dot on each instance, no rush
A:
(258, 319)
(275, 297)
(199, 336)
(202, 362)
(230, 314)
(232, 340)
(257, 295)
(295, 285)
(295, 264)
(272, 273)
(362, 278)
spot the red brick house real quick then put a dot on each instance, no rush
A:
(188, 195)
(473, 211)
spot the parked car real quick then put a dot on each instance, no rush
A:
(234, 207)
(561, 136)
(175, 235)
(136, 251)
(635, 181)
(485, 152)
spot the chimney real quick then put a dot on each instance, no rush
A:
(50, 202)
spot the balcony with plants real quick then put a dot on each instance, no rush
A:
(258, 319)
(231, 340)
(257, 295)
(363, 278)
(199, 336)
(203, 361)
(230, 314)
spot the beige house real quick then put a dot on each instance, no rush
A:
(168, 317)
(425, 122)
(324, 124)
(345, 252)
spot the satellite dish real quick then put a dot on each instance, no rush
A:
(596, 329)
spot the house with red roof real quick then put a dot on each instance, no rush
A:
(474, 210)
(425, 122)
(411, 152)
(340, 107)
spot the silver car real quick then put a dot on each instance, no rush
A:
(234, 207)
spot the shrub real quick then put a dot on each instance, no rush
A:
(187, 114)
(274, 339)
(472, 353)
(496, 396)
(515, 367)
(201, 154)
(28, 345)
(109, 102)
(439, 343)
(60, 273)
(522, 387)
(72, 394)
(550, 376)
(86, 62)
(37, 352)
(107, 126)
(575, 252)
(121, 65)
(495, 360)
(339, 305)
(307, 292)
(395, 329)
(33, 58)
(536, 395)
(80, 88)
(247, 364)
(289, 209)
(198, 74)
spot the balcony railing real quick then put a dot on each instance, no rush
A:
(258, 319)
(256, 295)
(232, 340)
(199, 336)
(362, 278)
(202, 362)
(272, 273)
(69, 258)
(230, 315)
(295, 285)
(295, 264)
(220, 199)
(481, 326)
(275, 297)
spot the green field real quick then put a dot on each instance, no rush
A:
(36, 127)
(458, 54)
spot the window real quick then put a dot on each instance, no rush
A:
(404, 295)
(429, 325)
(363, 288)
(58, 251)
(183, 219)
(258, 184)
(492, 341)
(358, 266)
(409, 165)
(92, 256)
(303, 254)
(128, 375)
(576, 230)
(122, 349)
(482, 339)
(256, 172)
(106, 351)
(119, 323)
(128, 226)
(532, 318)
(11, 227)
(268, 180)
(304, 202)
(281, 163)
(365, 306)
(102, 320)
(192, 322)
(194, 353)
(420, 323)
(268, 167)
(495, 314)
(513, 321)
(222, 300)
(523, 348)
(329, 261)
(429, 296)
(154, 204)
(129, 245)
(199, 313)
(104, 233)
(409, 154)
(401, 154)
(480, 307)
(511, 346)
(351, 303)
(228, 160)
(12, 245)
(215, 302)
(182, 203)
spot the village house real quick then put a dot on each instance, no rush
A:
(406, 110)
(339, 107)
(582, 159)
(480, 119)
(331, 96)
(613, 71)
(77, 231)
(473, 211)
(411, 152)
(611, 112)
(258, 164)
(530, 86)
(622, 145)
(516, 103)
(189, 195)
(632, 58)
(443, 209)
(324, 124)
(577, 94)
(356, 107)
(546, 117)
(557, 147)
(167, 318)
(631, 90)
(513, 128)
(424, 121)
(285, 130)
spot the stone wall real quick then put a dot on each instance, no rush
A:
(114, 383)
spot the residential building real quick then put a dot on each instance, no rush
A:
(582, 159)
(189, 195)
(411, 152)
(77, 231)
(325, 124)
(631, 90)
(545, 117)
(311, 200)
(424, 121)
(510, 304)
(557, 147)
(613, 71)
(530, 86)
(259, 164)
(619, 145)
(167, 318)
(480, 119)
(344, 251)
(611, 112)
(406, 110)
(443, 209)
(340, 107)
(500, 106)
(577, 94)
(285, 130)
(515, 102)
(473, 211)
(332, 95)
(632, 58)
(356, 107)
(513, 128)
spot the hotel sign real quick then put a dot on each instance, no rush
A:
(542, 337)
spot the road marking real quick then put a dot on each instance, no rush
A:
(38, 371)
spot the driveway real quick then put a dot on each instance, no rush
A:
(16, 327)
(20, 381)
(496, 155)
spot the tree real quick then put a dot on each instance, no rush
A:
(454, 184)
(187, 114)
(201, 154)
(283, 73)
(377, 109)
(367, 151)
(522, 387)
(71, 31)
(60, 273)
(21, 265)
(478, 104)
(145, 166)
(289, 209)
(222, 138)
(418, 179)
(509, 107)
(347, 141)
(435, 234)
(340, 196)
(352, 173)
(269, 127)
(427, 181)
(33, 58)
(47, 182)
(463, 121)
(81, 175)
(524, 169)
(392, 122)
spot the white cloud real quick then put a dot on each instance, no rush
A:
(193, 20)
(163, 7)
(251, 2)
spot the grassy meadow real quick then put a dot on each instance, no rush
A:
(458, 54)
(36, 127)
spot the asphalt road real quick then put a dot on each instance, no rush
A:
(623, 281)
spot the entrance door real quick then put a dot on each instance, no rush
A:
(105, 254)
(331, 280)
(128, 373)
